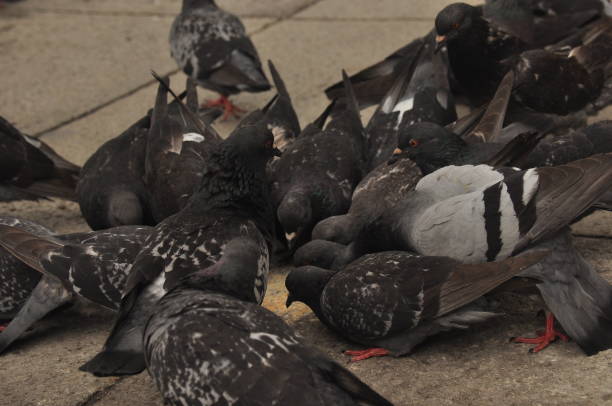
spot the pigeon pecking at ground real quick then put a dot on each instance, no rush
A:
(232, 201)
(90, 266)
(31, 170)
(209, 342)
(394, 300)
(316, 175)
(211, 46)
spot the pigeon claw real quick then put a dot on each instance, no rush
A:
(544, 338)
(365, 354)
(229, 109)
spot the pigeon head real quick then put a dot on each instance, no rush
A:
(295, 213)
(252, 144)
(452, 21)
(241, 272)
(429, 145)
(306, 284)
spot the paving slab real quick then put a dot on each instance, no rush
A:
(380, 9)
(56, 67)
(251, 8)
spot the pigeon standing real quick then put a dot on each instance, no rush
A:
(209, 342)
(394, 300)
(211, 46)
(30, 169)
(232, 202)
(91, 266)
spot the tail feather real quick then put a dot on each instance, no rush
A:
(281, 89)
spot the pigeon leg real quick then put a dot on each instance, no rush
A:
(229, 109)
(365, 354)
(545, 337)
(2, 327)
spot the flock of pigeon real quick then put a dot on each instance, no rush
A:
(399, 229)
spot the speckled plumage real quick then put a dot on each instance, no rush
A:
(396, 299)
(209, 348)
(92, 266)
(316, 175)
(231, 202)
(211, 46)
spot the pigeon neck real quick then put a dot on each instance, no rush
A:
(230, 181)
(451, 154)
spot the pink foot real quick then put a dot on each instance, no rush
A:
(545, 338)
(365, 354)
(229, 109)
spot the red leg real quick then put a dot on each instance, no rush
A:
(229, 109)
(365, 354)
(545, 337)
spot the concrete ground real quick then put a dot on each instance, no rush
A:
(76, 73)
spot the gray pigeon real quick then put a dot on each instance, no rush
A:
(211, 46)
(209, 342)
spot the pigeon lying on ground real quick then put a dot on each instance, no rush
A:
(30, 169)
(479, 39)
(394, 300)
(211, 46)
(208, 341)
(179, 144)
(231, 202)
(420, 93)
(278, 115)
(316, 175)
(91, 266)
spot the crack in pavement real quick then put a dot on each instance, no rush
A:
(130, 92)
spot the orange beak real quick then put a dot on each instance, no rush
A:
(440, 38)
(397, 151)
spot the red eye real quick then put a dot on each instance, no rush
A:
(456, 26)
(413, 143)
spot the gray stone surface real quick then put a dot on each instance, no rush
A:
(63, 58)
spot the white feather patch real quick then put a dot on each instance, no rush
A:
(403, 106)
(193, 137)
(530, 185)
(509, 225)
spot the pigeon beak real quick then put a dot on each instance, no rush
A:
(397, 151)
(440, 42)
(290, 236)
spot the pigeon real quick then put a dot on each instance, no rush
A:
(420, 93)
(484, 43)
(179, 144)
(278, 114)
(91, 267)
(434, 147)
(209, 342)
(389, 184)
(393, 300)
(111, 188)
(374, 82)
(232, 201)
(211, 46)
(316, 175)
(17, 280)
(31, 169)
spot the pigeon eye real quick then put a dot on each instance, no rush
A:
(456, 26)
(413, 143)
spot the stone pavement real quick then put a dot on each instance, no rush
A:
(76, 72)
